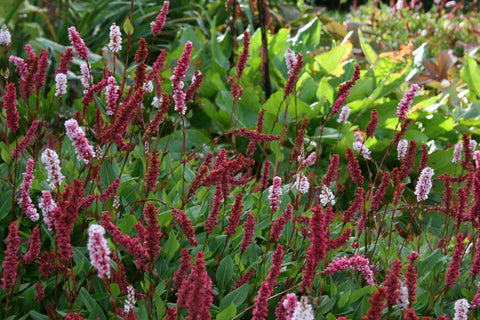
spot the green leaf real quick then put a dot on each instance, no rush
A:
(308, 36)
(227, 313)
(6, 203)
(38, 316)
(356, 295)
(470, 73)
(472, 112)
(127, 26)
(171, 246)
(332, 60)
(224, 273)
(326, 304)
(89, 302)
(236, 297)
(369, 53)
(127, 224)
(5, 152)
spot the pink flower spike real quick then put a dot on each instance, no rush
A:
(249, 232)
(158, 24)
(5, 37)
(48, 205)
(402, 148)
(344, 113)
(10, 106)
(461, 309)
(24, 200)
(34, 247)
(406, 102)
(20, 64)
(112, 96)
(357, 262)
(52, 163)
(424, 184)
(60, 84)
(99, 250)
(457, 153)
(275, 193)
(115, 44)
(77, 135)
(87, 78)
(78, 43)
(178, 74)
(10, 262)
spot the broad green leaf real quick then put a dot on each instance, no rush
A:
(88, 301)
(357, 294)
(470, 73)
(127, 26)
(326, 304)
(224, 272)
(369, 53)
(38, 316)
(227, 313)
(236, 297)
(171, 246)
(332, 60)
(127, 224)
(308, 36)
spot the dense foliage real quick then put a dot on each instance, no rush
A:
(183, 161)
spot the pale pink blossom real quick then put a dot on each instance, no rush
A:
(157, 102)
(130, 301)
(86, 78)
(310, 161)
(50, 158)
(48, 205)
(424, 184)
(115, 44)
(148, 86)
(77, 135)
(326, 196)
(99, 250)
(402, 300)
(402, 148)
(344, 113)
(24, 200)
(461, 309)
(290, 59)
(60, 84)
(457, 153)
(359, 146)
(5, 37)
(275, 193)
(301, 183)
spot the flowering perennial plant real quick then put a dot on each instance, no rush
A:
(253, 197)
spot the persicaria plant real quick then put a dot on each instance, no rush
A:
(184, 183)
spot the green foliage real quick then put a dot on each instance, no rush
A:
(444, 112)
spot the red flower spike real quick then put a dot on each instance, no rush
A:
(34, 247)
(10, 262)
(10, 106)
(249, 232)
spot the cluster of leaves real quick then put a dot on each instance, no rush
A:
(301, 122)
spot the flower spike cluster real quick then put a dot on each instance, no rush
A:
(99, 250)
(77, 43)
(178, 74)
(77, 135)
